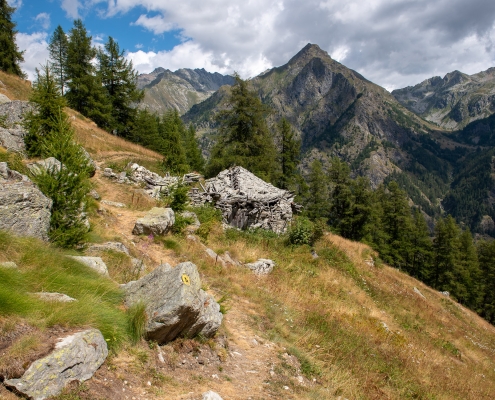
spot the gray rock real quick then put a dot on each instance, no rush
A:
(261, 267)
(193, 227)
(91, 163)
(113, 203)
(24, 210)
(8, 265)
(157, 221)
(4, 99)
(175, 303)
(50, 164)
(229, 260)
(95, 263)
(75, 357)
(60, 297)
(211, 395)
(14, 111)
(13, 139)
(94, 194)
(115, 246)
(214, 256)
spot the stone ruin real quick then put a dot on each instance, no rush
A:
(155, 184)
(247, 201)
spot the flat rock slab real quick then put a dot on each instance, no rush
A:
(24, 209)
(59, 297)
(75, 357)
(175, 303)
(261, 267)
(114, 246)
(95, 263)
(113, 203)
(157, 221)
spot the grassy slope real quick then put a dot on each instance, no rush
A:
(360, 331)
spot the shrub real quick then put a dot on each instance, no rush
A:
(303, 231)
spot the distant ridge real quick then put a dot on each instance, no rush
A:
(165, 90)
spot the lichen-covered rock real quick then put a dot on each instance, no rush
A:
(13, 139)
(261, 267)
(24, 209)
(175, 303)
(75, 357)
(95, 263)
(4, 99)
(157, 221)
(50, 164)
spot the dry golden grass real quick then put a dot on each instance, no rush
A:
(14, 87)
(104, 146)
(363, 328)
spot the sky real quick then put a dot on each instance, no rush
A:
(394, 43)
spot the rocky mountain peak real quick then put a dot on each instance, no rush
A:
(307, 53)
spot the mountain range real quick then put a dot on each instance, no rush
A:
(181, 89)
(429, 138)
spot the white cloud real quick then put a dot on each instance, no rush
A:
(43, 19)
(36, 51)
(71, 7)
(393, 43)
(15, 3)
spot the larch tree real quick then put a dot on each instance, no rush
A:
(58, 48)
(120, 81)
(244, 138)
(10, 56)
(86, 93)
(289, 155)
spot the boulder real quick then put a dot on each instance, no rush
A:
(91, 163)
(24, 209)
(4, 99)
(211, 395)
(261, 267)
(95, 263)
(157, 221)
(14, 112)
(175, 303)
(13, 139)
(75, 358)
(113, 203)
(50, 164)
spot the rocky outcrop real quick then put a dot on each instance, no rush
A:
(75, 358)
(157, 221)
(114, 246)
(95, 263)
(175, 303)
(247, 201)
(261, 267)
(12, 133)
(24, 210)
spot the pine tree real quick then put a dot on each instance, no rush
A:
(244, 139)
(49, 104)
(421, 248)
(193, 152)
(397, 223)
(86, 93)
(58, 48)
(445, 253)
(316, 204)
(171, 144)
(120, 81)
(67, 187)
(10, 56)
(486, 252)
(288, 157)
